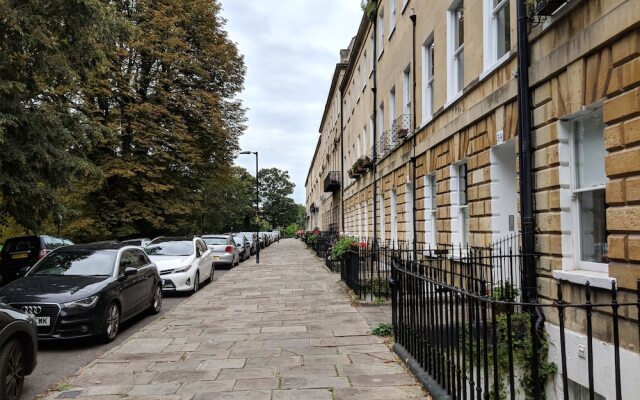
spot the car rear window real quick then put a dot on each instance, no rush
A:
(214, 241)
(76, 263)
(19, 246)
(170, 248)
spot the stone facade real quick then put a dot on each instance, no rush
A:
(584, 77)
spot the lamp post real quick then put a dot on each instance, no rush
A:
(257, 239)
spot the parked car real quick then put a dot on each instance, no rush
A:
(243, 246)
(225, 251)
(251, 237)
(18, 350)
(184, 263)
(137, 242)
(21, 253)
(87, 290)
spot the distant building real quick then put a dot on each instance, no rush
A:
(423, 140)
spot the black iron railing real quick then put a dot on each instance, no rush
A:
(457, 318)
(401, 128)
(332, 182)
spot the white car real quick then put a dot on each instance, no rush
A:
(184, 263)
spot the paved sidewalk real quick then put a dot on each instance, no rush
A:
(283, 330)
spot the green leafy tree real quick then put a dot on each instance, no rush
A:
(227, 202)
(173, 122)
(276, 188)
(50, 51)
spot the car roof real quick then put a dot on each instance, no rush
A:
(96, 246)
(216, 236)
(172, 239)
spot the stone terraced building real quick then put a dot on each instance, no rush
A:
(419, 142)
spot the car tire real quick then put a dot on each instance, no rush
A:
(196, 283)
(111, 323)
(12, 370)
(156, 300)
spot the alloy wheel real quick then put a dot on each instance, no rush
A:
(157, 299)
(196, 283)
(113, 321)
(14, 378)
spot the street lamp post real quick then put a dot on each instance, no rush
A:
(257, 239)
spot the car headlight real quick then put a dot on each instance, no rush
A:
(182, 269)
(83, 303)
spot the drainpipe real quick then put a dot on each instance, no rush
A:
(414, 18)
(526, 181)
(341, 163)
(374, 154)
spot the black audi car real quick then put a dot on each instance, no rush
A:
(86, 290)
(18, 351)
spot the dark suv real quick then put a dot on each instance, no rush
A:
(18, 351)
(21, 253)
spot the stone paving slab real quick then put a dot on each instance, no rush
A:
(281, 330)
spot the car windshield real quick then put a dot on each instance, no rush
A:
(214, 241)
(76, 263)
(170, 248)
(238, 239)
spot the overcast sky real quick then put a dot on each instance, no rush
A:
(290, 48)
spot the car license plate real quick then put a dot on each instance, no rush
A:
(42, 321)
(216, 258)
(20, 256)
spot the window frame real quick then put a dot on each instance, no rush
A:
(454, 85)
(431, 208)
(490, 28)
(406, 91)
(576, 222)
(460, 209)
(392, 17)
(428, 79)
(381, 36)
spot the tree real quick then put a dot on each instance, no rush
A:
(168, 103)
(278, 208)
(49, 51)
(227, 202)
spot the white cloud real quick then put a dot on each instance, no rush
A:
(290, 48)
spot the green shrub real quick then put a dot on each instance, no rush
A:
(384, 329)
(344, 244)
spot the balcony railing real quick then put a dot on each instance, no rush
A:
(547, 7)
(383, 145)
(401, 127)
(332, 182)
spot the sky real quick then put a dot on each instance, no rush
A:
(291, 48)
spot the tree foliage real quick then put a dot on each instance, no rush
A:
(276, 188)
(49, 51)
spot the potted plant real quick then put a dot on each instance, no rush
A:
(370, 8)
(359, 167)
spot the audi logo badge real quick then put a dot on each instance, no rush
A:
(33, 310)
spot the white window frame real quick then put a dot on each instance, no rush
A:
(406, 91)
(454, 89)
(573, 268)
(394, 217)
(430, 215)
(383, 228)
(380, 33)
(459, 210)
(392, 17)
(490, 30)
(366, 219)
(428, 79)
(371, 133)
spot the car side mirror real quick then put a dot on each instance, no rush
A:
(129, 271)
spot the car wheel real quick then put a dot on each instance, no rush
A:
(12, 370)
(196, 282)
(111, 323)
(213, 271)
(156, 301)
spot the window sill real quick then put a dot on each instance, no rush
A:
(453, 99)
(404, 7)
(497, 64)
(380, 54)
(393, 30)
(581, 277)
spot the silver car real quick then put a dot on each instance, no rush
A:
(224, 249)
(243, 246)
